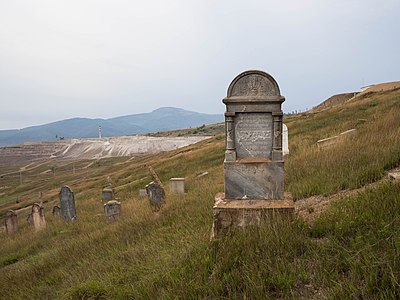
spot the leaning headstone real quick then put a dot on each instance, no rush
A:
(142, 193)
(253, 166)
(11, 222)
(112, 210)
(67, 204)
(107, 194)
(177, 186)
(56, 211)
(39, 222)
(285, 140)
(156, 195)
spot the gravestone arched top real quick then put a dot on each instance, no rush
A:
(254, 84)
(65, 188)
(36, 207)
(10, 213)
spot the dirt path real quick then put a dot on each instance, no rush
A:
(311, 208)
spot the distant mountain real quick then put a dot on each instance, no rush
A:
(165, 118)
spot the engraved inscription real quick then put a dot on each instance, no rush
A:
(254, 85)
(253, 135)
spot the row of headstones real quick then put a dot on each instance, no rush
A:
(66, 210)
(176, 187)
(112, 207)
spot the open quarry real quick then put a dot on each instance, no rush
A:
(93, 148)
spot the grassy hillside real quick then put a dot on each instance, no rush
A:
(351, 251)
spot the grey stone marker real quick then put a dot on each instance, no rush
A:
(29, 219)
(177, 186)
(11, 222)
(156, 195)
(39, 222)
(253, 165)
(67, 204)
(107, 194)
(112, 210)
(142, 193)
(56, 211)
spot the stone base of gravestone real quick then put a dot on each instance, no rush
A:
(230, 214)
(177, 186)
(112, 210)
(254, 179)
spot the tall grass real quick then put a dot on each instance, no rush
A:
(353, 162)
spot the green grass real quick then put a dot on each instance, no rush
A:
(350, 252)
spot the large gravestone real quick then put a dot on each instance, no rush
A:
(38, 219)
(156, 195)
(67, 204)
(253, 165)
(11, 222)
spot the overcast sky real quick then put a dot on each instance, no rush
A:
(103, 58)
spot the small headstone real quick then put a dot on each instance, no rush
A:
(56, 211)
(156, 195)
(285, 140)
(38, 219)
(29, 219)
(112, 210)
(177, 186)
(107, 194)
(142, 193)
(11, 222)
(67, 204)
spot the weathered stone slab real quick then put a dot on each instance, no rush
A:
(11, 222)
(177, 186)
(39, 221)
(253, 134)
(233, 214)
(142, 193)
(107, 194)
(254, 180)
(331, 141)
(67, 204)
(203, 174)
(156, 195)
(112, 210)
